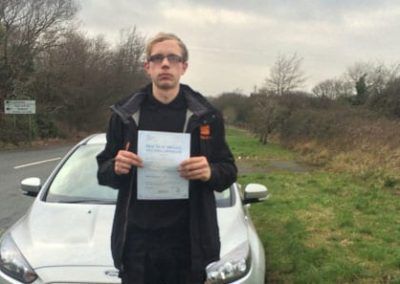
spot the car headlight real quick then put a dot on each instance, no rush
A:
(13, 263)
(232, 266)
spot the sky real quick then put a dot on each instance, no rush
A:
(234, 43)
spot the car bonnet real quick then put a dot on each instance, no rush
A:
(56, 234)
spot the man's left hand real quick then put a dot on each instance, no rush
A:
(195, 168)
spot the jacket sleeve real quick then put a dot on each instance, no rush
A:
(105, 160)
(222, 163)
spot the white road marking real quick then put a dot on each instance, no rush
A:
(37, 163)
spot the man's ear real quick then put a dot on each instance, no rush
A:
(184, 67)
(146, 66)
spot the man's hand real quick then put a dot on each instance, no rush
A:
(125, 160)
(195, 168)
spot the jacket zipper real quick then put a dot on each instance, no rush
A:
(126, 218)
(126, 213)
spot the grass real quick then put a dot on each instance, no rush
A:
(323, 227)
(245, 146)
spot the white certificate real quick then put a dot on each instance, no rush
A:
(162, 152)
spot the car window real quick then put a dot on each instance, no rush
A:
(224, 198)
(76, 181)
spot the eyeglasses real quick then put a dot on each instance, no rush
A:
(159, 58)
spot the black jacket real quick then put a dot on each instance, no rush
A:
(206, 126)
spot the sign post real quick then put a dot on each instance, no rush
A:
(21, 107)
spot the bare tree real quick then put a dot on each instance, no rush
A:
(127, 72)
(23, 26)
(81, 75)
(262, 122)
(333, 89)
(73, 79)
(27, 20)
(285, 75)
(376, 75)
(268, 113)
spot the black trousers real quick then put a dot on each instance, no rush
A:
(159, 256)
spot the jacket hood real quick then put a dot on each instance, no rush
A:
(128, 106)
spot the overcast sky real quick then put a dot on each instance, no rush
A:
(232, 44)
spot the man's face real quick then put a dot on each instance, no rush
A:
(165, 66)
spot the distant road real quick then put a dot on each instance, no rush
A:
(16, 165)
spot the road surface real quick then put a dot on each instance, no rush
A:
(16, 165)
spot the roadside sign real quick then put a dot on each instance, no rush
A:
(19, 107)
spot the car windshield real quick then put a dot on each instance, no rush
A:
(76, 181)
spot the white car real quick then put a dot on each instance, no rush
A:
(65, 235)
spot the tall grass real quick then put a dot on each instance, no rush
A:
(361, 145)
(322, 226)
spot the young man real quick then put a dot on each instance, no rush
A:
(167, 241)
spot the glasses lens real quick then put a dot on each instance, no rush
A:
(159, 58)
(172, 58)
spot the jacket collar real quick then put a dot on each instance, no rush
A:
(127, 107)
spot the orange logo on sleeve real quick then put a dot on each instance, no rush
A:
(205, 131)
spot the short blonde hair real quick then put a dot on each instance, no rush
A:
(166, 36)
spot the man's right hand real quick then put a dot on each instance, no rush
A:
(124, 160)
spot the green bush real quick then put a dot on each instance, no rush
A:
(17, 129)
(46, 126)
(23, 128)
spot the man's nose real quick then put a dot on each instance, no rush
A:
(165, 62)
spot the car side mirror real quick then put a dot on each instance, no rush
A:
(31, 185)
(255, 192)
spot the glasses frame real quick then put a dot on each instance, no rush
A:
(159, 58)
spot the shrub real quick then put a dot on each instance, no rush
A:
(388, 103)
